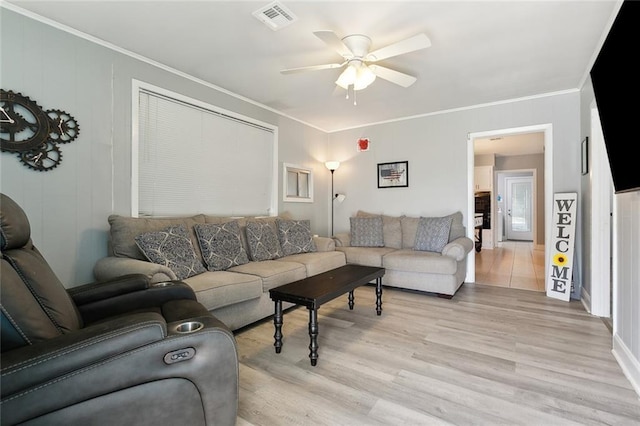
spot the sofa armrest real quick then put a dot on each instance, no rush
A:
(342, 239)
(112, 267)
(458, 248)
(324, 243)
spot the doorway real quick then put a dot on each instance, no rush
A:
(546, 198)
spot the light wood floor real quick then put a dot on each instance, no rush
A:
(488, 356)
(514, 264)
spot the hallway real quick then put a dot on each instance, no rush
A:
(513, 264)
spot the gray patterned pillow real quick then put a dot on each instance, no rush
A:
(171, 247)
(221, 245)
(433, 233)
(262, 240)
(295, 236)
(367, 231)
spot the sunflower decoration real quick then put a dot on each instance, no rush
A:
(559, 259)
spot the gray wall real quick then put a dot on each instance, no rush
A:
(68, 206)
(436, 148)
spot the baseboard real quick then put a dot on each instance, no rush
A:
(630, 365)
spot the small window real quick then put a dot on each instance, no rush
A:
(297, 184)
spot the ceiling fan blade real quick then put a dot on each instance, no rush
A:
(312, 68)
(333, 41)
(399, 78)
(417, 42)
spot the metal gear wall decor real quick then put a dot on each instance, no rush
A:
(33, 133)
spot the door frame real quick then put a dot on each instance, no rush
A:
(602, 205)
(525, 173)
(547, 129)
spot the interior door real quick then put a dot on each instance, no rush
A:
(519, 205)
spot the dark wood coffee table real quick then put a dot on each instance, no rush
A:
(313, 291)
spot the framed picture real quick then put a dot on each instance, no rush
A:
(584, 154)
(393, 175)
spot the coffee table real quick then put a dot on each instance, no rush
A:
(313, 291)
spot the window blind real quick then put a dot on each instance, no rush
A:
(194, 160)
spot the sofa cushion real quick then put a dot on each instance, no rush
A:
(222, 288)
(318, 262)
(274, 273)
(124, 229)
(295, 236)
(173, 248)
(366, 231)
(262, 240)
(409, 230)
(433, 233)
(391, 229)
(457, 227)
(367, 256)
(221, 245)
(409, 260)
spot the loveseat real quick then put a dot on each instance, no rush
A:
(231, 263)
(418, 253)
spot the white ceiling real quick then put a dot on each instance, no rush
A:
(482, 51)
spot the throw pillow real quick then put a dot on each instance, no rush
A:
(433, 233)
(262, 240)
(366, 231)
(171, 247)
(221, 245)
(295, 236)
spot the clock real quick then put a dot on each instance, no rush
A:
(23, 124)
(33, 133)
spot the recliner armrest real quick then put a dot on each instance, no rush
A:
(92, 308)
(95, 291)
(28, 366)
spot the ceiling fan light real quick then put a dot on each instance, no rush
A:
(348, 77)
(364, 78)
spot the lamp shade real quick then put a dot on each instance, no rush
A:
(332, 165)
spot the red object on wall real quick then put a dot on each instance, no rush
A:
(363, 144)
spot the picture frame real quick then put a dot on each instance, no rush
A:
(584, 155)
(393, 175)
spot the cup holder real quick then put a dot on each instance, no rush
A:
(162, 284)
(189, 327)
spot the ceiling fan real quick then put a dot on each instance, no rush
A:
(361, 68)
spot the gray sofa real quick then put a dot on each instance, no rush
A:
(442, 271)
(238, 295)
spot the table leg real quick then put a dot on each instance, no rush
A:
(277, 321)
(313, 334)
(379, 296)
(351, 300)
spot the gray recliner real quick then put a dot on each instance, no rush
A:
(120, 352)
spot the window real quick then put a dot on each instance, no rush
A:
(190, 157)
(297, 184)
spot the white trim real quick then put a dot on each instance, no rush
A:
(585, 298)
(548, 184)
(601, 193)
(629, 365)
(466, 108)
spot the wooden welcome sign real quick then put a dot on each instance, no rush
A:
(563, 239)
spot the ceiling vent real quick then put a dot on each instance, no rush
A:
(275, 15)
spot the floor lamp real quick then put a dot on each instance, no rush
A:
(332, 166)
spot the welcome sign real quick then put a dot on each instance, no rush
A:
(563, 239)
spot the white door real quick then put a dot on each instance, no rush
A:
(519, 204)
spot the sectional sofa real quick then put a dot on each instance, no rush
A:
(419, 253)
(233, 287)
